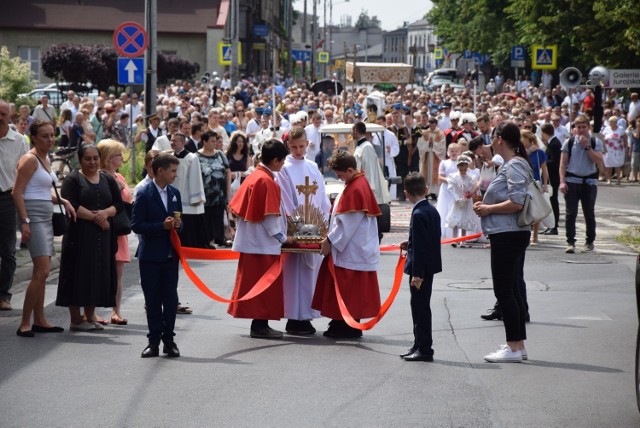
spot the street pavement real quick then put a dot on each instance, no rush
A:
(579, 374)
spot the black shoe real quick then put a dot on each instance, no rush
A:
(28, 333)
(40, 329)
(494, 314)
(553, 231)
(409, 352)
(419, 356)
(150, 351)
(297, 327)
(171, 349)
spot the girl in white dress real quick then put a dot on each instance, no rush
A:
(445, 197)
(615, 141)
(462, 186)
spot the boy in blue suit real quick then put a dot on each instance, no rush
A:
(154, 215)
(423, 261)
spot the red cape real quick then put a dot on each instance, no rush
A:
(358, 196)
(258, 196)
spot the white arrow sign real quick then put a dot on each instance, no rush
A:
(131, 69)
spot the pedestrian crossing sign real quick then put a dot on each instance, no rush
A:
(437, 53)
(544, 57)
(323, 57)
(224, 53)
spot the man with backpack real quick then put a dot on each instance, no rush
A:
(579, 181)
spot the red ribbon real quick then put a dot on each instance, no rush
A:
(185, 253)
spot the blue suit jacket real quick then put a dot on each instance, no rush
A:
(423, 250)
(148, 215)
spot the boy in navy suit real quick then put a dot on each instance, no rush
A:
(155, 213)
(423, 261)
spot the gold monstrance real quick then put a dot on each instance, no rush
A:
(307, 223)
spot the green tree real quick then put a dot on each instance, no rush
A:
(15, 76)
(587, 32)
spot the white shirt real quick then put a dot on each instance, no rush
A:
(12, 147)
(163, 195)
(313, 135)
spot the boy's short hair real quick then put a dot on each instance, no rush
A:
(415, 184)
(342, 161)
(164, 161)
(273, 149)
(297, 132)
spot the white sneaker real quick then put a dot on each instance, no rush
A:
(570, 249)
(83, 326)
(523, 352)
(504, 355)
(588, 248)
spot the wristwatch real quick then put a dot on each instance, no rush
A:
(25, 221)
(586, 149)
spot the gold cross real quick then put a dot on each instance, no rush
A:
(307, 190)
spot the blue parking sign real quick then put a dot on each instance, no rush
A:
(130, 71)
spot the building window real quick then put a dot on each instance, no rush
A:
(32, 56)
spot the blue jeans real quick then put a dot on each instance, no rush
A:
(585, 194)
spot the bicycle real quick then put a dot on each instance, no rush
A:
(63, 161)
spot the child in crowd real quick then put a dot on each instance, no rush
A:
(461, 217)
(445, 197)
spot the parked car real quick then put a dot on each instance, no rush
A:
(438, 82)
(55, 97)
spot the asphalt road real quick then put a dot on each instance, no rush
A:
(579, 374)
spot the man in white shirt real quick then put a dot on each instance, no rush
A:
(44, 111)
(12, 147)
(69, 105)
(134, 108)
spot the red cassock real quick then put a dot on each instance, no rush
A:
(258, 196)
(359, 289)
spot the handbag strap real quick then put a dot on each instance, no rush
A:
(53, 183)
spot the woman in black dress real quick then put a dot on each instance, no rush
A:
(88, 267)
(238, 155)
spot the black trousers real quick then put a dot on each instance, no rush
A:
(586, 195)
(160, 288)
(7, 244)
(421, 315)
(507, 253)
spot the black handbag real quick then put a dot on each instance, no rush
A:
(121, 223)
(59, 220)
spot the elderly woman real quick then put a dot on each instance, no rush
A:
(498, 210)
(32, 197)
(87, 266)
(110, 160)
(216, 178)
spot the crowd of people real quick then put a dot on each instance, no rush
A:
(471, 149)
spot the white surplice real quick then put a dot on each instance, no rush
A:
(300, 271)
(367, 162)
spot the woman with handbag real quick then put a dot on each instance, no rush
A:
(504, 198)
(32, 198)
(88, 268)
(111, 152)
